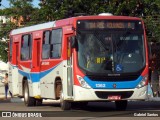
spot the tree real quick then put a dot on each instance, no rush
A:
(148, 10)
(3, 51)
(18, 8)
(4, 37)
(21, 8)
(50, 10)
(59, 9)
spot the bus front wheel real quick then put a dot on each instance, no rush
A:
(121, 104)
(65, 105)
(29, 101)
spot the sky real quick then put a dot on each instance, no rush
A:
(5, 4)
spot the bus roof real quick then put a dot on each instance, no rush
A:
(109, 17)
(33, 28)
(68, 21)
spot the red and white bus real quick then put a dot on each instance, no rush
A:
(80, 59)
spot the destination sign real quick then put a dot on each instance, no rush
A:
(108, 24)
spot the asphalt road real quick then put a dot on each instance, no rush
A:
(94, 110)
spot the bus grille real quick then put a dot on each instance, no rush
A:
(107, 78)
(123, 94)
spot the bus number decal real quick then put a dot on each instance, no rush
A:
(100, 85)
(45, 63)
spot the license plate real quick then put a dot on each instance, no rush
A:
(114, 97)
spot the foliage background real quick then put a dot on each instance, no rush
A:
(49, 10)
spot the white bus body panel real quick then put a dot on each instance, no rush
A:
(13, 79)
(33, 28)
(47, 83)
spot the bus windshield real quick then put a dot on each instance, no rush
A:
(111, 50)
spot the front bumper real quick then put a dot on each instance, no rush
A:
(83, 94)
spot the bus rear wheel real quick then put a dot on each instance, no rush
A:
(65, 105)
(121, 104)
(29, 101)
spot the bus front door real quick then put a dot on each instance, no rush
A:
(13, 70)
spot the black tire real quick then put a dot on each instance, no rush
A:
(65, 105)
(121, 105)
(39, 102)
(29, 101)
(81, 105)
(155, 82)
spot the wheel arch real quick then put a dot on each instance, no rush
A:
(58, 87)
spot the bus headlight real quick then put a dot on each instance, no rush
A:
(143, 82)
(82, 82)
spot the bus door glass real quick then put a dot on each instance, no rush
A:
(69, 66)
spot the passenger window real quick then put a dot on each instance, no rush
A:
(26, 47)
(25, 53)
(56, 50)
(25, 40)
(46, 37)
(46, 51)
(46, 45)
(56, 43)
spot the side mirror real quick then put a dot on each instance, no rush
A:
(73, 42)
(150, 57)
(150, 51)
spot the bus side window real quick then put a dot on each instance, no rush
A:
(46, 37)
(46, 51)
(25, 40)
(26, 44)
(24, 53)
(46, 45)
(56, 43)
